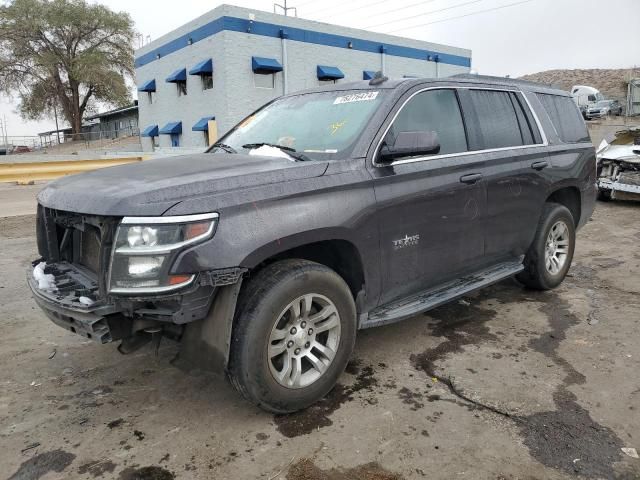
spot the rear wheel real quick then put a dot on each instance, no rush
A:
(549, 257)
(293, 336)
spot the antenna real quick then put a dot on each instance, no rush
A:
(284, 8)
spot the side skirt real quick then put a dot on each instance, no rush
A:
(410, 306)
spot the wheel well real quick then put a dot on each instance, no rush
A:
(570, 198)
(339, 255)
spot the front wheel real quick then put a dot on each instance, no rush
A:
(549, 257)
(293, 335)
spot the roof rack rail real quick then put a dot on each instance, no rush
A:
(505, 80)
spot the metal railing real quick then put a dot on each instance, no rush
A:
(65, 142)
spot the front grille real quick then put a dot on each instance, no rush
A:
(78, 239)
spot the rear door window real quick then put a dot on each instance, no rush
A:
(432, 111)
(566, 118)
(498, 124)
(528, 126)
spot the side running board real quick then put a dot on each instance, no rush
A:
(421, 302)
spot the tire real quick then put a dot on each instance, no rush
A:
(263, 307)
(537, 273)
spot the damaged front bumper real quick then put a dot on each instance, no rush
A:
(73, 302)
(100, 322)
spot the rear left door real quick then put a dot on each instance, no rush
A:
(514, 150)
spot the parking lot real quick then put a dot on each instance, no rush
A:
(505, 384)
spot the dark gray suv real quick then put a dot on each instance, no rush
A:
(322, 213)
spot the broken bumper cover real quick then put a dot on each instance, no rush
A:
(91, 322)
(113, 319)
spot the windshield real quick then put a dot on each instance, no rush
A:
(318, 125)
(604, 103)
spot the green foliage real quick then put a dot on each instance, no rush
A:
(66, 53)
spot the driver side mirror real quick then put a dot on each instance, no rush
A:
(411, 144)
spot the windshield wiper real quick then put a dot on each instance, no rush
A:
(225, 147)
(292, 152)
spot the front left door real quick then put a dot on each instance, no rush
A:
(430, 209)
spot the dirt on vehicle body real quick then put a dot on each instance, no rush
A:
(322, 213)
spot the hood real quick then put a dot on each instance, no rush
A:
(627, 153)
(151, 187)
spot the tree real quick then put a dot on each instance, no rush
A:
(66, 53)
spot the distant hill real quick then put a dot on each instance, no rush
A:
(612, 83)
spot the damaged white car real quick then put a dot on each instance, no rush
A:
(619, 166)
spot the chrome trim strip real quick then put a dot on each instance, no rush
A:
(163, 249)
(143, 290)
(468, 152)
(163, 220)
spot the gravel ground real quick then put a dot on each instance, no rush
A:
(505, 384)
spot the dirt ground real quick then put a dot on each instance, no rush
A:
(505, 384)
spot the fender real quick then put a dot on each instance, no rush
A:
(301, 239)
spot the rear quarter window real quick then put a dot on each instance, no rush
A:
(565, 117)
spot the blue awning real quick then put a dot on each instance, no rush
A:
(150, 131)
(178, 76)
(202, 67)
(203, 124)
(149, 86)
(368, 74)
(172, 128)
(329, 73)
(265, 65)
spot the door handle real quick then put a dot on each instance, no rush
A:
(471, 178)
(540, 165)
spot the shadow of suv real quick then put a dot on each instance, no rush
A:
(324, 212)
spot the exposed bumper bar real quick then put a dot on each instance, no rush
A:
(618, 187)
(85, 322)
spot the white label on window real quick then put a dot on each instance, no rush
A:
(356, 97)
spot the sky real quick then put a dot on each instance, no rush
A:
(507, 37)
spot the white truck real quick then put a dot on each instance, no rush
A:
(585, 96)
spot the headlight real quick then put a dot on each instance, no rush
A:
(145, 248)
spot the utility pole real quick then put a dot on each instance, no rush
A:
(55, 114)
(285, 8)
(5, 136)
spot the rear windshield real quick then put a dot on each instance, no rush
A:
(566, 118)
(319, 125)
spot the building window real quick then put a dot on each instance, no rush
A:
(327, 82)
(261, 80)
(151, 97)
(182, 88)
(207, 81)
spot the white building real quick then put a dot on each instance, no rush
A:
(230, 61)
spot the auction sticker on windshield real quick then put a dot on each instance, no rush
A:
(356, 97)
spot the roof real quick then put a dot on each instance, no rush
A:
(117, 111)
